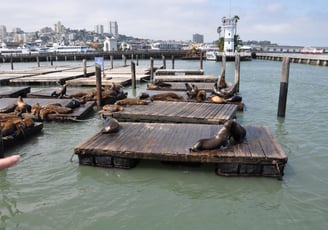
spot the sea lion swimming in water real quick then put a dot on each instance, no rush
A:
(220, 139)
(111, 125)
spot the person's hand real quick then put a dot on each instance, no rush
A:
(8, 161)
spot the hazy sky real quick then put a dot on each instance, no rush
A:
(286, 22)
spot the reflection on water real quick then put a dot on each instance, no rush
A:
(46, 191)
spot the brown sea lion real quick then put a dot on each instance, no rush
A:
(201, 95)
(22, 107)
(217, 99)
(216, 142)
(158, 85)
(166, 97)
(143, 95)
(131, 101)
(237, 132)
(222, 82)
(112, 108)
(111, 125)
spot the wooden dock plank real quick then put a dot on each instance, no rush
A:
(179, 72)
(180, 112)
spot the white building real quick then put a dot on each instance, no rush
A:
(110, 44)
(229, 28)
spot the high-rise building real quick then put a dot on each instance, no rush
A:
(3, 31)
(113, 28)
(99, 29)
(59, 28)
(198, 38)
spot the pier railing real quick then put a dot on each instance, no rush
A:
(313, 59)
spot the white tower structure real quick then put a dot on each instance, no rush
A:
(229, 29)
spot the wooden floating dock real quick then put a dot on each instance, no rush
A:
(178, 112)
(185, 78)
(179, 72)
(77, 114)
(28, 133)
(258, 155)
(120, 75)
(46, 93)
(180, 86)
(15, 91)
(312, 59)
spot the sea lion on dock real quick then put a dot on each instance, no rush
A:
(22, 107)
(111, 125)
(225, 92)
(112, 108)
(234, 98)
(143, 95)
(216, 142)
(217, 99)
(237, 132)
(166, 97)
(158, 85)
(131, 101)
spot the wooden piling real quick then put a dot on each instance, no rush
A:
(172, 62)
(133, 72)
(164, 61)
(111, 62)
(237, 72)
(151, 69)
(2, 154)
(223, 65)
(283, 87)
(98, 85)
(124, 60)
(84, 61)
(201, 60)
(137, 59)
(11, 62)
(38, 61)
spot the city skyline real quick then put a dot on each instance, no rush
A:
(283, 22)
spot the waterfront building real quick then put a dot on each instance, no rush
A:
(198, 38)
(110, 44)
(59, 28)
(113, 28)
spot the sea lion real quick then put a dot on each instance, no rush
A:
(225, 92)
(234, 98)
(131, 101)
(22, 107)
(217, 99)
(193, 91)
(166, 97)
(237, 132)
(143, 95)
(74, 103)
(158, 85)
(111, 125)
(112, 108)
(222, 82)
(220, 139)
(201, 95)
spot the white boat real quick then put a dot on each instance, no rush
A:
(311, 50)
(211, 55)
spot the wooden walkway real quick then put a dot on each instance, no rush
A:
(77, 114)
(259, 155)
(14, 91)
(46, 93)
(178, 112)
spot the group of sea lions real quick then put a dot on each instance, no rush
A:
(109, 94)
(230, 133)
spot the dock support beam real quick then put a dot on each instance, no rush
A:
(172, 62)
(133, 72)
(283, 87)
(98, 85)
(84, 61)
(151, 69)
(237, 72)
(164, 61)
(201, 60)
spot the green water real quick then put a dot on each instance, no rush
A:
(47, 191)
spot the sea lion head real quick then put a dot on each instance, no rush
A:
(111, 125)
